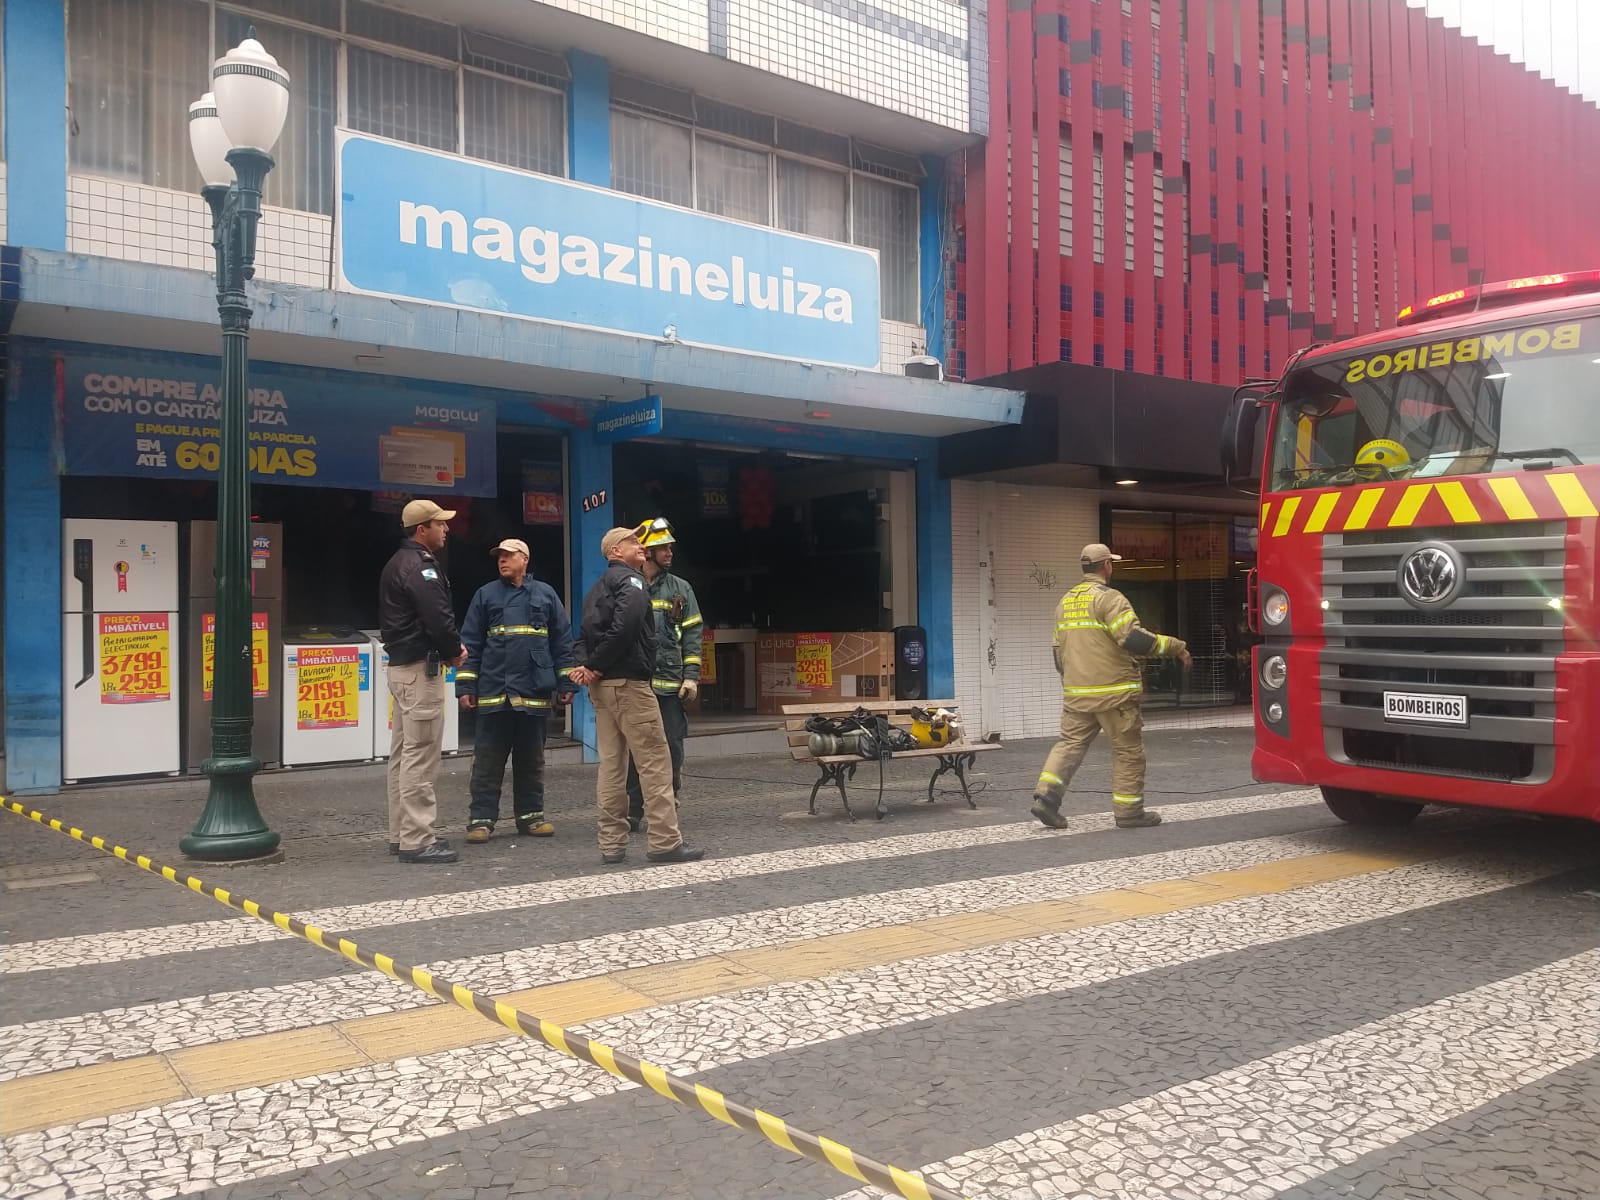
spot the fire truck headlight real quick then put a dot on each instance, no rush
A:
(1275, 608)
(1274, 672)
(1274, 712)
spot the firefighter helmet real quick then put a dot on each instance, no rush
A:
(1382, 454)
(937, 729)
(656, 532)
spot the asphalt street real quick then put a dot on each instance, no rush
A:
(1250, 1000)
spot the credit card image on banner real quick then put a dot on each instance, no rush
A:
(456, 440)
(418, 461)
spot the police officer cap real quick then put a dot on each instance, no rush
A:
(420, 512)
(1097, 552)
(614, 538)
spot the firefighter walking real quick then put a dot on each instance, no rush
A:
(1098, 642)
(679, 634)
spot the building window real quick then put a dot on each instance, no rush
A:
(134, 66)
(813, 200)
(884, 217)
(680, 163)
(653, 159)
(513, 125)
(731, 181)
(402, 99)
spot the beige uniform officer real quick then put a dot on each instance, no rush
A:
(1098, 643)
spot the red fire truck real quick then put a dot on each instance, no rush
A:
(1428, 578)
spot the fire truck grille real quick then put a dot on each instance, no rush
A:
(1490, 652)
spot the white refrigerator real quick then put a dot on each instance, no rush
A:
(383, 704)
(120, 647)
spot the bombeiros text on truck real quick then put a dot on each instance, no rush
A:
(1428, 575)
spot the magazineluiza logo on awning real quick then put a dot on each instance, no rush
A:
(544, 256)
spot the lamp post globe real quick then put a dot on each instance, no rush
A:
(231, 129)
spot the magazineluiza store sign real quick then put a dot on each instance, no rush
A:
(421, 225)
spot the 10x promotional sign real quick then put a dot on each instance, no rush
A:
(423, 225)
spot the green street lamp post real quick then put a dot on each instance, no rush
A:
(231, 129)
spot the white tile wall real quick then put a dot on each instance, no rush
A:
(912, 59)
(133, 221)
(682, 22)
(900, 341)
(2, 202)
(1037, 540)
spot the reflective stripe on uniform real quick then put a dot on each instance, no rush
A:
(1116, 799)
(1122, 620)
(666, 685)
(518, 631)
(514, 701)
(1046, 777)
(1161, 643)
(1107, 690)
(661, 605)
(465, 675)
(691, 622)
(1080, 625)
(691, 660)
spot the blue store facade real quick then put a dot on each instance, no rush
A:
(487, 300)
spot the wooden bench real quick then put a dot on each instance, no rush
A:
(836, 768)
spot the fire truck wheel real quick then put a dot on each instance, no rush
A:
(1369, 808)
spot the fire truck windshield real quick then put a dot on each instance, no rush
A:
(1515, 397)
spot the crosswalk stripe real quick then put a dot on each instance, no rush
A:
(1284, 1120)
(345, 1113)
(139, 944)
(55, 1043)
(39, 1100)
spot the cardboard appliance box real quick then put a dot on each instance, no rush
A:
(819, 668)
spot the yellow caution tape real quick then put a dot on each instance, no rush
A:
(710, 1101)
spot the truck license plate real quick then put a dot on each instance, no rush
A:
(1425, 708)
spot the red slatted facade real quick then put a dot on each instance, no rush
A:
(1414, 162)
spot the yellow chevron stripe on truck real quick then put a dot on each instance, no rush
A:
(1550, 497)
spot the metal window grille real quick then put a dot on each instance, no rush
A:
(885, 219)
(813, 200)
(652, 158)
(513, 124)
(134, 67)
(731, 181)
(402, 99)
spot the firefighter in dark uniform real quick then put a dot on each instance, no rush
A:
(680, 630)
(617, 650)
(1098, 643)
(418, 620)
(519, 653)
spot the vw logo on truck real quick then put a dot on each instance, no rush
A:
(1431, 575)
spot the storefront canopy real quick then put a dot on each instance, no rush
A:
(1084, 425)
(108, 301)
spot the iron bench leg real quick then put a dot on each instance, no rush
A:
(956, 764)
(836, 774)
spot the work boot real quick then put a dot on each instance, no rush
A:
(681, 853)
(434, 852)
(1137, 819)
(1048, 810)
(394, 847)
(480, 833)
(611, 860)
(534, 825)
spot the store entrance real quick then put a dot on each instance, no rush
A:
(1185, 574)
(780, 543)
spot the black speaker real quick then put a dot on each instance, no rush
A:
(910, 662)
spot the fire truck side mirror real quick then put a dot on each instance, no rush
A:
(1240, 460)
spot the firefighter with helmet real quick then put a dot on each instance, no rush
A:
(679, 633)
(1098, 643)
